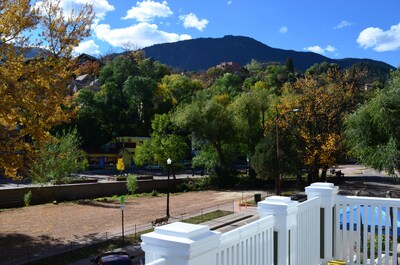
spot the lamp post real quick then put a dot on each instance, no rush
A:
(278, 177)
(169, 161)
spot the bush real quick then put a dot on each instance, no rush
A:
(154, 193)
(196, 184)
(131, 183)
(27, 198)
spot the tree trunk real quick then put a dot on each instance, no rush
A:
(312, 174)
(323, 174)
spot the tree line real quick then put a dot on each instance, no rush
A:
(279, 121)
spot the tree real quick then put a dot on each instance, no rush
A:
(58, 158)
(33, 91)
(249, 110)
(175, 89)
(120, 165)
(372, 132)
(210, 121)
(164, 143)
(131, 183)
(324, 101)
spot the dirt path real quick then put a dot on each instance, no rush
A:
(43, 227)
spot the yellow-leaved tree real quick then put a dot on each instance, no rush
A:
(323, 100)
(36, 42)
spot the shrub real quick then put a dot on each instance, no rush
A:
(154, 193)
(27, 198)
(131, 183)
(191, 184)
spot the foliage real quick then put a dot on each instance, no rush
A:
(324, 100)
(372, 131)
(27, 198)
(58, 158)
(163, 144)
(126, 103)
(175, 89)
(91, 68)
(33, 91)
(196, 184)
(210, 120)
(120, 164)
(131, 183)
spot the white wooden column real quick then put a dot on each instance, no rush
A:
(181, 244)
(327, 193)
(285, 211)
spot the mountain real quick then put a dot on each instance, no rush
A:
(203, 53)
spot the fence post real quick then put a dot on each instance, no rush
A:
(181, 244)
(327, 193)
(285, 211)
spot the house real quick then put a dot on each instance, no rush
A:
(106, 156)
(84, 58)
(85, 81)
(229, 66)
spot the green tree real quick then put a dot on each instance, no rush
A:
(58, 158)
(163, 144)
(372, 132)
(131, 183)
(250, 109)
(210, 121)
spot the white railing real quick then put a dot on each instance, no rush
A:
(366, 230)
(307, 237)
(358, 230)
(249, 244)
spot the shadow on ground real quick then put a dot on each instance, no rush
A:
(19, 248)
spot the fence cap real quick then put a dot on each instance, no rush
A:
(322, 185)
(182, 230)
(278, 199)
(277, 204)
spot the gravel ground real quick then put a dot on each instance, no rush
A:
(45, 227)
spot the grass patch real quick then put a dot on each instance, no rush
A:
(207, 217)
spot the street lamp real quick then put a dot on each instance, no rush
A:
(169, 161)
(278, 177)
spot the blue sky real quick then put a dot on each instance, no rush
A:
(336, 29)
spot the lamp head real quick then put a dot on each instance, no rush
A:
(169, 161)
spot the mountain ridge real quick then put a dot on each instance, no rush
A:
(202, 53)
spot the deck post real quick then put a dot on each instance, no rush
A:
(327, 193)
(181, 244)
(285, 211)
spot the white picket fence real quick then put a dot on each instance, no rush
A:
(323, 228)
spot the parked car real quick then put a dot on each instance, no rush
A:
(153, 167)
(113, 258)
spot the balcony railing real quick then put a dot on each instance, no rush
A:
(357, 230)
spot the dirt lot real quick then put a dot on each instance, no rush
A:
(39, 228)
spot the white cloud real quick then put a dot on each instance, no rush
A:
(380, 40)
(142, 35)
(101, 7)
(283, 29)
(191, 21)
(343, 24)
(320, 50)
(89, 47)
(147, 10)
(330, 48)
(229, 2)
